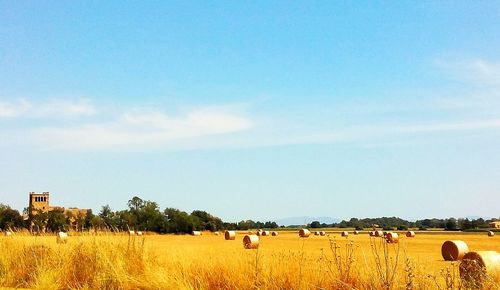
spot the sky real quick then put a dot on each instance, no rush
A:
(253, 109)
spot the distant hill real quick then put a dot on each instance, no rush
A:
(303, 220)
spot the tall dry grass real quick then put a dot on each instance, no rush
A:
(110, 261)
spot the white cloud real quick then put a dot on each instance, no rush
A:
(67, 108)
(132, 131)
(49, 109)
(212, 127)
(421, 114)
(14, 109)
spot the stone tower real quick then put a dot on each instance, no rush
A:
(39, 202)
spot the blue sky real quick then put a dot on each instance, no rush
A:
(252, 109)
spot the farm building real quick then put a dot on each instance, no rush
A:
(39, 203)
(495, 224)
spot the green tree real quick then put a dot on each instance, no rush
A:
(87, 223)
(10, 218)
(57, 221)
(315, 224)
(180, 221)
(106, 214)
(230, 226)
(135, 203)
(97, 222)
(150, 218)
(207, 221)
(451, 224)
(247, 224)
(270, 225)
(125, 219)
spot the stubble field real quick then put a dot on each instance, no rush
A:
(108, 261)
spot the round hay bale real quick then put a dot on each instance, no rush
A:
(251, 242)
(476, 267)
(259, 233)
(139, 233)
(229, 235)
(491, 234)
(371, 233)
(316, 233)
(131, 233)
(322, 233)
(265, 233)
(196, 233)
(410, 234)
(8, 234)
(274, 234)
(379, 234)
(392, 238)
(344, 234)
(454, 250)
(62, 238)
(355, 232)
(216, 233)
(304, 233)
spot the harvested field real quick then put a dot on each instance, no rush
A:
(211, 262)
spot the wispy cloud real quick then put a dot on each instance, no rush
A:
(222, 128)
(478, 71)
(13, 109)
(140, 131)
(47, 109)
(65, 108)
(420, 115)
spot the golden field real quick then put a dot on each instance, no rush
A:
(108, 261)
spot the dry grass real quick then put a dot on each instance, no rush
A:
(110, 261)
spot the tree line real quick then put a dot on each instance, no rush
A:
(390, 223)
(146, 215)
(142, 215)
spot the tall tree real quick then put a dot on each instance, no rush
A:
(135, 203)
(106, 214)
